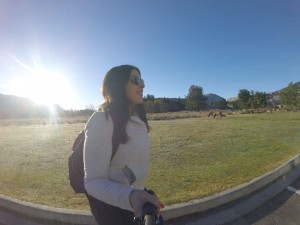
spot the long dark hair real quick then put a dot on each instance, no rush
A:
(116, 103)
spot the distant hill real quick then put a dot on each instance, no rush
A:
(233, 99)
(18, 107)
(272, 98)
(297, 84)
(213, 98)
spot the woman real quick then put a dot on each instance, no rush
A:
(115, 182)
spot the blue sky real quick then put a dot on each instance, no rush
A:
(59, 51)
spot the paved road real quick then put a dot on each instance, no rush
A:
(284, 209)
(10, 219)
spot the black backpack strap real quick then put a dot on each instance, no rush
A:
(114, 150)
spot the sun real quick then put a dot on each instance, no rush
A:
(44, 87)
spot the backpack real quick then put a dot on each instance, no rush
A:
(75, 163)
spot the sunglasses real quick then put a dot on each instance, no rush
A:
(137, 80)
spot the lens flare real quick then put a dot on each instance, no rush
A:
(43, 86)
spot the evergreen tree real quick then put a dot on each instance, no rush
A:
(258, 100)
(288, 96)
(195, 100)
(149, 98)
(244, 99)
(222, 104)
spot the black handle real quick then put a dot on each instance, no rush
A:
(149, 214)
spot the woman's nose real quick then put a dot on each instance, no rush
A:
(142, 84)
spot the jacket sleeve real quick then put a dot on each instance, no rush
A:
(97, 154)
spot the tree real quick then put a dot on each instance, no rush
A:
(258, 100)
(243, 99)
(90, 107)
(233, 104)
(222, 104)
(164, 105)
(149, 98)
(288, 96)
(195, 100)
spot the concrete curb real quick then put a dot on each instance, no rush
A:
(45, 213)
(230, 195)
(66, 216)
(244, 205)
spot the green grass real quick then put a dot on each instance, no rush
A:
(191, 158)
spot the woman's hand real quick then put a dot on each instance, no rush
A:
(138, 198)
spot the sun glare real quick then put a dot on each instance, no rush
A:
(44, 87)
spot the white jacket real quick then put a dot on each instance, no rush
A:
(105, 180)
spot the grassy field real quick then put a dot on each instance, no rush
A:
(191, 158)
